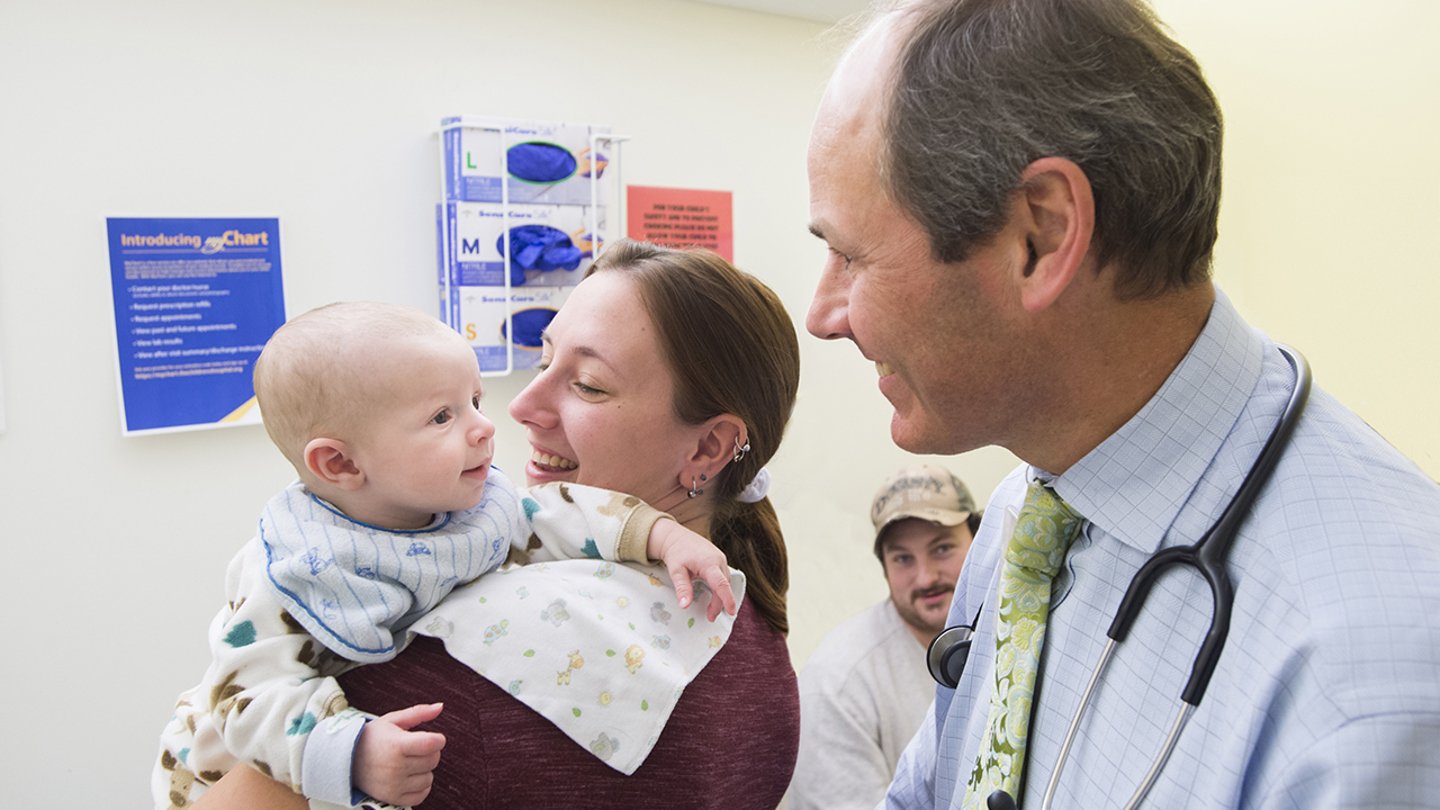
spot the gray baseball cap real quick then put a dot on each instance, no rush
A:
(924, 491)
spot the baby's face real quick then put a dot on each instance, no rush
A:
(426, 446)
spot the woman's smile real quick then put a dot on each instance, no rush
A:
(549, 462)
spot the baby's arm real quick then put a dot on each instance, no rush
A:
(275, 703)
(689, 556)
(576, 522)
(263, 690)
(573, 521)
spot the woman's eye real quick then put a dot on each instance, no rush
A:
(441, 417)
(587, 390)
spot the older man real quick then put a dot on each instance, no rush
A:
(1020, 202)
(865, 689)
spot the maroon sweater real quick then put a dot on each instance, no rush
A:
(730, 742)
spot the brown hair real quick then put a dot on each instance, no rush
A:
(731, 348)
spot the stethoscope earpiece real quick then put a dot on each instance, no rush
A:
(947, 653)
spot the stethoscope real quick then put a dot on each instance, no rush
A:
(947, 653)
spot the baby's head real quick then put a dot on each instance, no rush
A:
(377, 407)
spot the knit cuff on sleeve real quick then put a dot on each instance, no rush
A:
(329, 753)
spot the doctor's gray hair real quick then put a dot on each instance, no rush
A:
(983, 88)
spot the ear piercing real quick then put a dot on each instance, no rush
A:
(695, 491)
(741, 450)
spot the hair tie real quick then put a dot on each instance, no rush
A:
(758, 488)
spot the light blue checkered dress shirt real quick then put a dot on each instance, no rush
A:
(1328, 692)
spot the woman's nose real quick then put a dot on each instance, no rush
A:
(526, 408)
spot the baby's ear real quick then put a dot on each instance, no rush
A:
(329, 461)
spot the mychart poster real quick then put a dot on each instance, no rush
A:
(195, 301)
(681, 217)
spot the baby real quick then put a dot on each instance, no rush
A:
(377, 406)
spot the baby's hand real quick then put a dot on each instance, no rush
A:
(688, 556)
(393, 763)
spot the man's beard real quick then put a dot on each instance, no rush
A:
(912, 615)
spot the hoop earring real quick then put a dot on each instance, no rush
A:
(740, 450)
(695, 491)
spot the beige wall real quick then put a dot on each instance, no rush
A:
(1330, 201)
(322, 113)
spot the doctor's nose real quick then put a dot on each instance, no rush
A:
(829, 315)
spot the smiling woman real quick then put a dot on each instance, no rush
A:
(668, 375)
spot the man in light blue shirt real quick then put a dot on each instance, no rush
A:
(1020, 198)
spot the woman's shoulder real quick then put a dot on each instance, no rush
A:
(736, 729)
(732, 736)
(756, 646)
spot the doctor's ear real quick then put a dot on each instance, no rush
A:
(330, 462)
(1057, 214)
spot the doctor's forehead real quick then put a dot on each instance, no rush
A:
(854, 95)
(845, 150)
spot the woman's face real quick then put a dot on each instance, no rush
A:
(600, 410)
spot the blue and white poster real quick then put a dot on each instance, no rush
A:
(195, 301)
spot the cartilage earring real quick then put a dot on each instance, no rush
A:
(740, 450)
(695, 491)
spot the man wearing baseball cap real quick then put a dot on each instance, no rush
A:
(865, 689)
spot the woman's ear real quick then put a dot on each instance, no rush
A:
(720, 438)
(330, 462)
(1058, 211)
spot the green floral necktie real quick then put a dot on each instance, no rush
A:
(1043, 534)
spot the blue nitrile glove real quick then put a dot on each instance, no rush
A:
(540, 162)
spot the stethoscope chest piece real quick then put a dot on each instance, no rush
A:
(947, 654)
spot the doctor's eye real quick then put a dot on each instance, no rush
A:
(844, 259)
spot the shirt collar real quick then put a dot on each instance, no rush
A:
(1134, 483)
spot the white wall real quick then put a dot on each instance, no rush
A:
(323, 113)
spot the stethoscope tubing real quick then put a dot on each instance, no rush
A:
(1207, 556)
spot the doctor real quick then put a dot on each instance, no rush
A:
(1020, 198)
